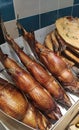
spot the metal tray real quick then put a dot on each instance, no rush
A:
(63, 123)
(10, 122)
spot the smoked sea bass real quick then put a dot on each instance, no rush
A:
(58, 67)
(40, 74)
(35, 119)
(41, 98)
(15, 104)
(54, 63)
(12, 101)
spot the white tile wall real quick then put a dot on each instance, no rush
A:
(12, 28)
(48, 5)
(65, 3)
(27, 8)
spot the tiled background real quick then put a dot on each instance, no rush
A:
(35, 14)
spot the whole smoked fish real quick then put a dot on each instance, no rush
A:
(41, 98)
(41, 75)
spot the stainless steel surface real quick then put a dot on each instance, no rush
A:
(67, 118)
(2, 126)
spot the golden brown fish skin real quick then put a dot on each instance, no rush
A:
(55, 64)
(68, 54)
(15, 104)
(41, 75)
(25, 82)
(58, 67)
(35, 119)
(12, 101)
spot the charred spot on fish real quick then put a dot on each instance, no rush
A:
(5, 56)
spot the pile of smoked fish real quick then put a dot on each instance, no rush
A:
(40, 83)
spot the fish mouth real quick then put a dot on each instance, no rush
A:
(55, 114)
(65, 102)
(73, 89)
